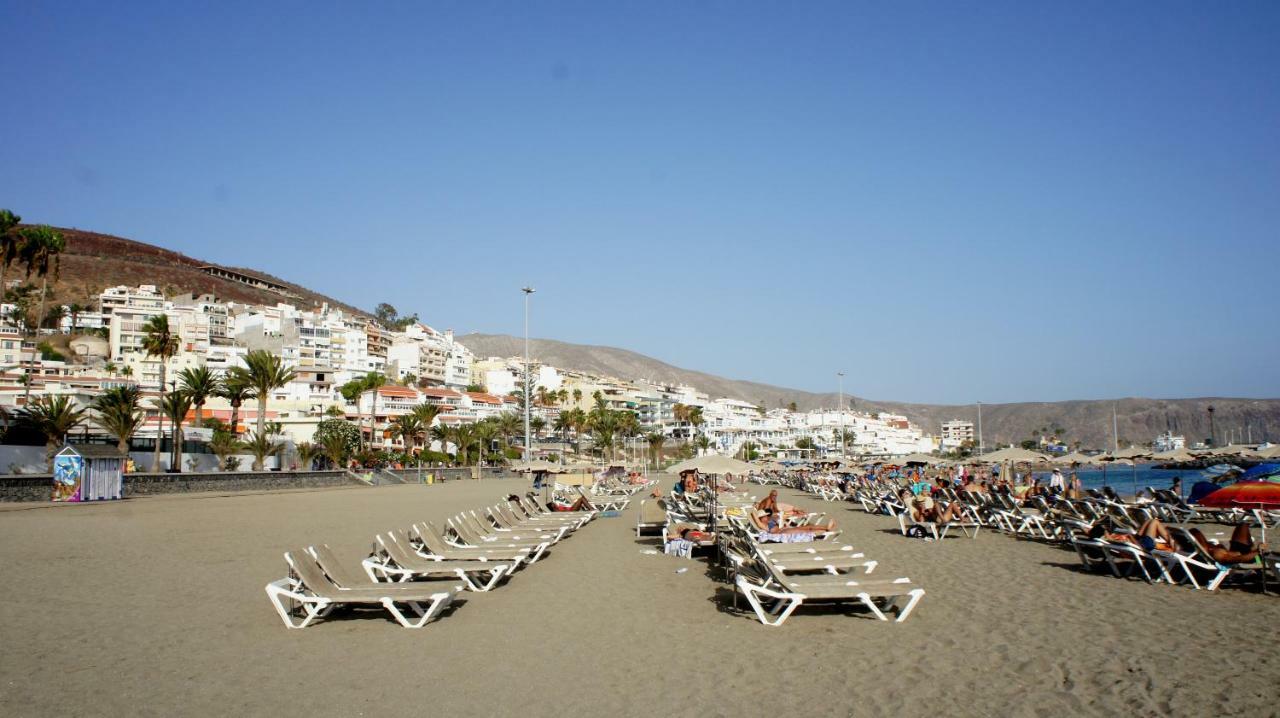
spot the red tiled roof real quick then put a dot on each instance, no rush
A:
(440, 393)
(484, 398)
(401, 391)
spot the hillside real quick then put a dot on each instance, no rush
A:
(94, 261)
(1089, 422)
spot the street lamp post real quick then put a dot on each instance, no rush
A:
(980, 451)
(528, 456)
(840, 375)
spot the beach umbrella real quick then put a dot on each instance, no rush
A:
(1128, 456)
(1261, 471)
(1075, 457)
(712, 464)
(1174, 456)
(1246, 494)
(920, 459)
(1011, 454)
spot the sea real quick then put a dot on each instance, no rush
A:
(1124, 479)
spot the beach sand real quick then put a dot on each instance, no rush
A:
(156, 606)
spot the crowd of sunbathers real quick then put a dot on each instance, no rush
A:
(1153, 535)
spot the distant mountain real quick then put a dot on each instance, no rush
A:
(93, 262)
(1089, 421)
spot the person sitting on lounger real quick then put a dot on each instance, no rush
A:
(1241, 548)
(771, 506)
(925, 510)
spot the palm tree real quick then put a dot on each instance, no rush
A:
(236, 391)
(54, 417)
(372, 382)
(11, 244)
(464, 437)
(562, 395)
(580, 424)
(261, 445)
(485, 432)
(443, 434)
(537, 424)
(334, 411)
(224, 445)
(656, 439)
(41, 253)
(200, 383)
(159, 342)
(426, 414)
(263, 372)
(175, 405)
(696, 418)
(306, 454)
(543, 396)
(407, 428)
(703, 443)
(577, 396)
(334, 448)
(680, 412)
(563, 425)
(509, 423)
(116, 411)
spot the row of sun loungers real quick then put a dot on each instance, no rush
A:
(776, 579)
(416, 573)
(1064, 521)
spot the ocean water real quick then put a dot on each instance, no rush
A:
(1122, 478)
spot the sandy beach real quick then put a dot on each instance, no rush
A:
(155, 607)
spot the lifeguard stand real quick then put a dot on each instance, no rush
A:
(88, 472)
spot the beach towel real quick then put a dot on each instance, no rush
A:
(679, 547)
(766, 537)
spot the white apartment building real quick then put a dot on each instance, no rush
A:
(127, 310)
(956, 432)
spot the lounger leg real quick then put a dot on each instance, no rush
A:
(1217, 580)
(438, 602)
(494, 576)
(537, 552)
(313, 607)
(913, 597)
(753, 597)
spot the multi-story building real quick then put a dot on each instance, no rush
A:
(127, 310)
(955, 433)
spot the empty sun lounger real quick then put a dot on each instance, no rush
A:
(317, 595)
(395, 562)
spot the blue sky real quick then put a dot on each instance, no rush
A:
(950, 201)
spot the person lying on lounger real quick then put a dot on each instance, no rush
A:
(1151, 535)
(688, 532)
(1241, 548)
(768, 523)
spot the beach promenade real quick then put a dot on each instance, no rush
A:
(155, 607)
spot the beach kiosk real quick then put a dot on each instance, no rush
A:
(88, 472)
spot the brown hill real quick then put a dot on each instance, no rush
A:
(1089, 422)
(93, 262)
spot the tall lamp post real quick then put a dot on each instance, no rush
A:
(840, 377)
(980, 451)
(528, 456)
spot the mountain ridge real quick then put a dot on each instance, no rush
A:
(94, 261)
(1088, 421)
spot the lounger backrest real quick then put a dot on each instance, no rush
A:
(335, 569)
(430, 538)
(309, 572)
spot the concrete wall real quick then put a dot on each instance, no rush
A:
(38, 487)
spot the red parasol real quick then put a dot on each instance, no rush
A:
(1245, 494)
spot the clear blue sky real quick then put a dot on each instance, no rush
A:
(951, 201)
